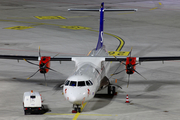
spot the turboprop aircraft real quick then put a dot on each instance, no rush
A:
(91, 71)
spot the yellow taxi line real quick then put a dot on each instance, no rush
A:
(77, 114)
(121, 41)
(156, 7)
(57, 114)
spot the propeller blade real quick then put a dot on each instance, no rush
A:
(39, 58)
(49, 60)
(135, 64)
(117, 72)
(122, 62)
(119, 61)
(48, 67)
(128, 80)
(45, 79)
(39, 52)
(46, 63)
(33, 74)
(130, 51)
(115, 56)
(55, 55)
(51, 69)
(140, 74)
(30, 62)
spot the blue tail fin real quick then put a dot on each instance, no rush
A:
(101, 25)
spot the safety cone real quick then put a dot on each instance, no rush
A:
(127, 99)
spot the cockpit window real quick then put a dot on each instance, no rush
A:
(67, 83)
(81, 83)
(90, 82)
(73, 83)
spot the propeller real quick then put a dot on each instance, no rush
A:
(130, 67)
(44, 65)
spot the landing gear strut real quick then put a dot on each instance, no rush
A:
(76, 108)
(111, 90)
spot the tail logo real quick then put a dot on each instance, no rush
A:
(101, 36)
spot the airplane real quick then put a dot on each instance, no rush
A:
(91, 72)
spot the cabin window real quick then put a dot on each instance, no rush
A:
(33, 97)
(67, 83)
(81, 83)
(73, 83)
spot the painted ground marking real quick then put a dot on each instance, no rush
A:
(49, 17)
(75, 27)
(19, 27)
(118, 53)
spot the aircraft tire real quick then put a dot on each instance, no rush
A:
(26, 112)
(79, 110)
(109, 90)
(113, 90)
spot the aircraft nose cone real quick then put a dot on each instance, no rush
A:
(76, 96)
(75, 99)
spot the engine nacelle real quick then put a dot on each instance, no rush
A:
(44, 64)
(130, 65)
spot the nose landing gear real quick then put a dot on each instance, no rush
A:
(77, 108)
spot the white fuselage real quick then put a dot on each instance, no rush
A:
(82, 85)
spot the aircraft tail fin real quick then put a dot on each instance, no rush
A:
(101, 23)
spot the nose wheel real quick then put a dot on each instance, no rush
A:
(77, 109)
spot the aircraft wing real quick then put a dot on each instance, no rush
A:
(165, 58)
(33, 58)
(108, 58)
(122, 58)
(19, 57)
(143, 59)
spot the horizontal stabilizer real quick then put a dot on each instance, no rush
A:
(109, 10)
(118, 53)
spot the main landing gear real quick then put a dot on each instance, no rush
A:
(77, 108)
(111, 90)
